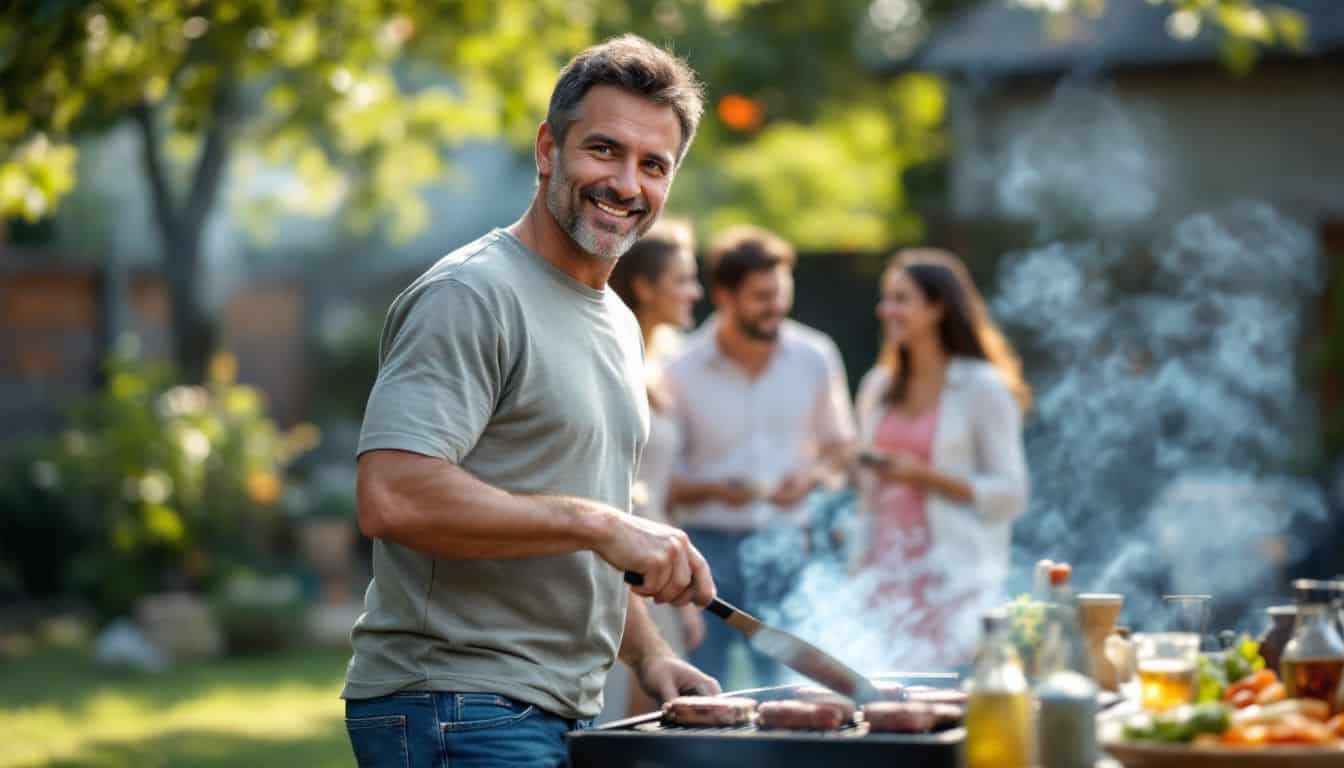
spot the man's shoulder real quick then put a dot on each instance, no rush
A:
(693, 353)
(482, 267)
(808, 341)
(484, 262)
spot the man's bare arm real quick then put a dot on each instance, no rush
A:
(434, 506)
(642, 639)
(660, 672)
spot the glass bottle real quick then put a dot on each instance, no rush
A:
(1313, 660)
(1066, 720)
(998, 704)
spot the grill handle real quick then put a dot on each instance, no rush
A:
(716, 606)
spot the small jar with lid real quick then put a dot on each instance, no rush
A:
(1312, 663)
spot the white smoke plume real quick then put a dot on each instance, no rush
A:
(1168, 422)
(1169, 432)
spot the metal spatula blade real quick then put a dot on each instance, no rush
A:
(791, 651)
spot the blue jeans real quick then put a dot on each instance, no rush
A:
(754, 571)
(422, 729)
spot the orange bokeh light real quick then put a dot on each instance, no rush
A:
(741, 113)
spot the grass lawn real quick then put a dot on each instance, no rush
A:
(58, 709)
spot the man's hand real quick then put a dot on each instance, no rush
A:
(667, 677)
(792, 489)
(673, 570)
(692, 626)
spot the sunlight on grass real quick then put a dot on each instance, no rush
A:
(280, 711)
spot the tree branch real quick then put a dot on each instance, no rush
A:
(152, 161)
(213, 159)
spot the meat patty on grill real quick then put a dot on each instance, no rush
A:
(709, 710)
(947, 715)
(819, 695)
(899, 716)
(891, 691)
(794, 715)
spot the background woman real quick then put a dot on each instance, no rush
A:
(657, 279)
(940, 430)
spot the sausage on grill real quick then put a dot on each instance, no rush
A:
(794, 715)
(709, 710)
(899, 716)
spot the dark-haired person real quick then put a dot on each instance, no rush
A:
(765, 417)
(499, 448)
(657, 279)
(940, 419)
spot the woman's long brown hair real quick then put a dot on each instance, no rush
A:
(965, 328)
(648, 259)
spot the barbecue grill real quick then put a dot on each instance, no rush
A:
(644, 742)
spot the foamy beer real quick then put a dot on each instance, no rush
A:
(1168, 664)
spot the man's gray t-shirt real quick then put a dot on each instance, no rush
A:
(498, 362)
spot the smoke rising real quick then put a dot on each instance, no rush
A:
(1168, 432)
(1163, 351)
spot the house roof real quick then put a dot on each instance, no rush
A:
(1000, 39)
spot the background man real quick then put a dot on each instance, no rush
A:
(500, 444)
(765, 416)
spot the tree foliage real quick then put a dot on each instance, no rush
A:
(361, 97)
(1245, 26)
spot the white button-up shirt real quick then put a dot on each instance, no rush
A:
(756, 428)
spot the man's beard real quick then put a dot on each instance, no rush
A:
(565, 203)
(757, 330)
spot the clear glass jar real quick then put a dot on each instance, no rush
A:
(1312, 663)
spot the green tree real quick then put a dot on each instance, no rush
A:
(362, 96)
(347, 93)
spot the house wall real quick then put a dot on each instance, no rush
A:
(49, 341)
(1277, 134)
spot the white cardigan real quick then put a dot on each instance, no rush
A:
(978, 439)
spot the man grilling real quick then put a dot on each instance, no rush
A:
(500, 444)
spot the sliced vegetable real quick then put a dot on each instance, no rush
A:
(1269, 714)
(1271, 694)
(1336, 725)
(1296, 729)
(1245, 734)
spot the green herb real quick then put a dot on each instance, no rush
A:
(1242, 660)
(1212, 680)
(1219, 670)
(1179, 725)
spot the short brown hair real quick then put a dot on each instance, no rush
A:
(745, 249)
(634, 64)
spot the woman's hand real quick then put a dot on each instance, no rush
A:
(904, 468)
(899, 467)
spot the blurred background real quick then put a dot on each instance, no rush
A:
(206, 206)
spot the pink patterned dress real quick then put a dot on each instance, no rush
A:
(906, 590)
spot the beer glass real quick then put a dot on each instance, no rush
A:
(1167, 664)
(1190, 613)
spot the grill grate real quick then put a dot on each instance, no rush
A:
(646, 742)
(849, 731)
